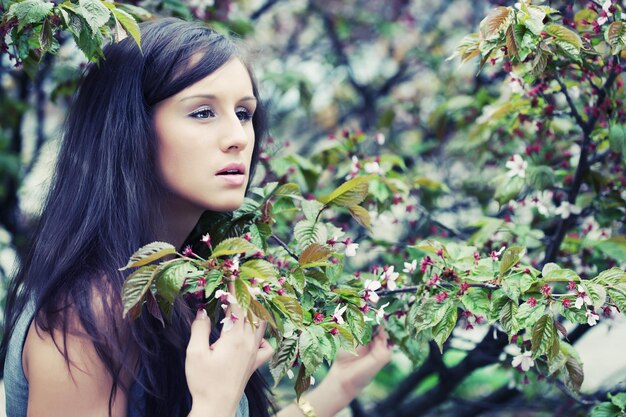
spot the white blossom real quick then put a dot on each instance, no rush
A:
(566, 209)
(592, 318)
(351, 249)
(229, 322)
(391, 277)
(517, 166)
(409, 268)
(525, 361)
(337, 315)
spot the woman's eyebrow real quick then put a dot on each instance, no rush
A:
(212, 97)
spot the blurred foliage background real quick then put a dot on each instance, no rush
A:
(376, 72)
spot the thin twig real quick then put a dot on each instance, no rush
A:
(284, 246)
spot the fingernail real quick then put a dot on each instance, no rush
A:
(201, 314)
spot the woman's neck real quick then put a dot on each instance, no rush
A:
(179, 218)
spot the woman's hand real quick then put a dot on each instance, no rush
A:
(355, 372)
(217, 373)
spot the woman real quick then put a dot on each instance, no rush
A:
(155, 137)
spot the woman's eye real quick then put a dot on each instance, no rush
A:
(203, 113)
(243, 114)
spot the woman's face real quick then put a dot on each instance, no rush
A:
(205, 141)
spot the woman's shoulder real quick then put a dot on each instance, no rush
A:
(63, 363)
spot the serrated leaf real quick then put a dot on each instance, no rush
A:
(311, 209)
(562, 275)
(291, 307)
(596, 292)
(540, 177)
(95, 13)
(242, 294)
(303, 382)
(311, 343)
(508, 318)
(606, 410)
(618, 296)
(350, 193)
(262, 313)
(356, 322)
(45, 36)
(476, 301)
(615, 36)
(136, 286)
(444, 328)
(528, 315)
(515, 285)
(289, 190)
(29, 11)
(469, 47)
(617, 137)
(153, 307)
(297, 280)
(171, 277)
(259, 269)
(611, 276)
(346, 339)
(618, 399)
(313, 253)
(564, 34)
(283, 358)
(129, 24)
(233, 246)
(511, 43)
(543, 335)
(148, 253)
(213, 280)
(510, 257)
(307, 232)
(424, 315)
(495, 22)
(362, 216)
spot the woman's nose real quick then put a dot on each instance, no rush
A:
(234, 136)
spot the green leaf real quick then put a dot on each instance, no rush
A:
(313, 343)
(350, 193)
(615, 36)
(617, 136)
(476, 301)
(95, 13)
(149, 253)
(508, 189)
(540, 177)
(129, 24)
(362, 216)
(171, 277)
(283, 358)
(242, 294)
(291, 307)
(307, 232)
(575, 372)
(311, 209)
(303, 381)
(356, 322)
(606, 410)
(346, 340)
(496, 22)
(596, 292)
(424, 315)
(510, 258)
(444, 328)
(314, 253)
(288, 190)
(45, 36)
(515, 285)
(29, 11)
(213, 280)
(564, 34)
(262, 313)
(259, 269)
(544, 336)
(561, 275)
(618, 296)
(618, 399)
(611, 276)
(232, 246)
(136, 286)
(508, 318)
(528, 315)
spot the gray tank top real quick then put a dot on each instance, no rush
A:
(16, 385)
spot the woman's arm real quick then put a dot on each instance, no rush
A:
(346, 378)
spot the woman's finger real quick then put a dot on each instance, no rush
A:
(200, 331)
(266, 351)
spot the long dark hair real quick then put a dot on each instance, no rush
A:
(103, 205)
